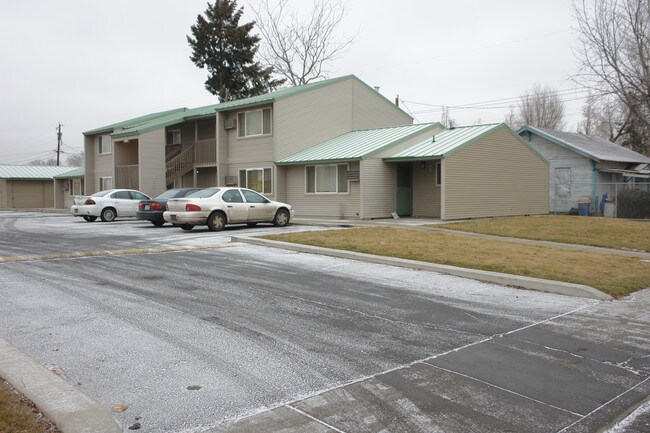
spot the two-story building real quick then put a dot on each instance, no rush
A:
(335, 148)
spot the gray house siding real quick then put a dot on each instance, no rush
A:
(378, 193)
(426, 194)
(345, 205)
(371, 110)
(151, 159)
(104, 164)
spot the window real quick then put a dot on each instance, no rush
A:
(438, 174)
(105, 183)
(174, 136)
(255, 122)
(122, 195)
(232, 196)
(135, 195)
(104, 145)
(75, 186)
(327, 179)
(253, 197)
(257, 179)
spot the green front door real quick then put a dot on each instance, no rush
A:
(404, 190)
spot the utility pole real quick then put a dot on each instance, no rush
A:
(58, 147)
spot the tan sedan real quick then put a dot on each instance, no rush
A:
(217, 207)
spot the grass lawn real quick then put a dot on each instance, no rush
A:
(594, 231)
(616, 275)
(17, 414)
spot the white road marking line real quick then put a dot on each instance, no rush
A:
(604, 404)
(505, 389)
(316, 419)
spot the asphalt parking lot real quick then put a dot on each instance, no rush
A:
(241, 338)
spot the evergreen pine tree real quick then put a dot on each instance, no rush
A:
(228, 50)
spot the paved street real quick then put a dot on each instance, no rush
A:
(243, 338)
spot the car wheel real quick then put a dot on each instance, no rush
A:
(158, 223)
(108, 214)
(251, 224)
(90, 218)
(187, 227)
(281, 218)
(216, 221)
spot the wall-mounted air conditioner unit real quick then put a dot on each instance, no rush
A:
(230, 123)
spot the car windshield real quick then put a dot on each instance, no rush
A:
(101, 193)
(170, 193)
(208, 192)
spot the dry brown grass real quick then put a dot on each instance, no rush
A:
(18, 415)
(599, 232)
(616, 275)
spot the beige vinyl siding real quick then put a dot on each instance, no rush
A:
(152, 162)
(104, 164)
(280, 183)
(378, 183)
(5, 192)
(321, 205)
(495, 176)
(90, 183)
(371, 110)
(426, 194)
(561, 157)
(223, 141)
(312, 117)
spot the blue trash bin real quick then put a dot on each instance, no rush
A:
(583, 209)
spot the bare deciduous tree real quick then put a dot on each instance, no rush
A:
(75, 159)
(541, 107)
(300, 47)
(614, 56)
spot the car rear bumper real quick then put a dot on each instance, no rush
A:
(194, 218)
(80, 210)
(150, 215)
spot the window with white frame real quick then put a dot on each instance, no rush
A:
(105, 183)
(254, 122)
(438, 174)
(324, 179)
(257, 179)
(174, 136)
(104, 144)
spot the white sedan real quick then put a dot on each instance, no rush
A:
(216, 207)
(108, 204)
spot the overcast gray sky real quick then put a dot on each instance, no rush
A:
(90, 63)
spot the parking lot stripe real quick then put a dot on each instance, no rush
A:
(504, 389)
(316, 419)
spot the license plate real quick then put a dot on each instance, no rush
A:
(146, 207)
(174, 218)
(76, 211)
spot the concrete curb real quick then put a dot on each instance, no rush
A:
(71, 410)
(550, 286)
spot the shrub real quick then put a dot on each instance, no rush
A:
(633, 203)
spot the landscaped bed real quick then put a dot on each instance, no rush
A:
(593, 231)
(18, 414)
(613, 274)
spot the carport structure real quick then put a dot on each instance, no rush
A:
(28, 186)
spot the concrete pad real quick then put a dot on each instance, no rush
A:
(554, 377)
(424, 399)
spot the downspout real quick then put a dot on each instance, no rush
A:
(594, 198)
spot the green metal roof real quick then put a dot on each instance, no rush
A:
(442, 144)
(166, 120)
(76, 173)
(357, 145)
(132, 122)
(32, 172)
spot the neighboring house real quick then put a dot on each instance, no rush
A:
(28, 186)
(66, 186)
(335, 148)
(585, 165)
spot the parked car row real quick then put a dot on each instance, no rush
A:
(185, 207)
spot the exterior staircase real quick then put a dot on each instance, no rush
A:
(180, 164)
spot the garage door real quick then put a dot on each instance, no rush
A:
(32, 194)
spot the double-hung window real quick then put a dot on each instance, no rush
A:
(254, 122)
(257, 179)
(104, 145)
(105, 183)
(174, 136)
(330, 178)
